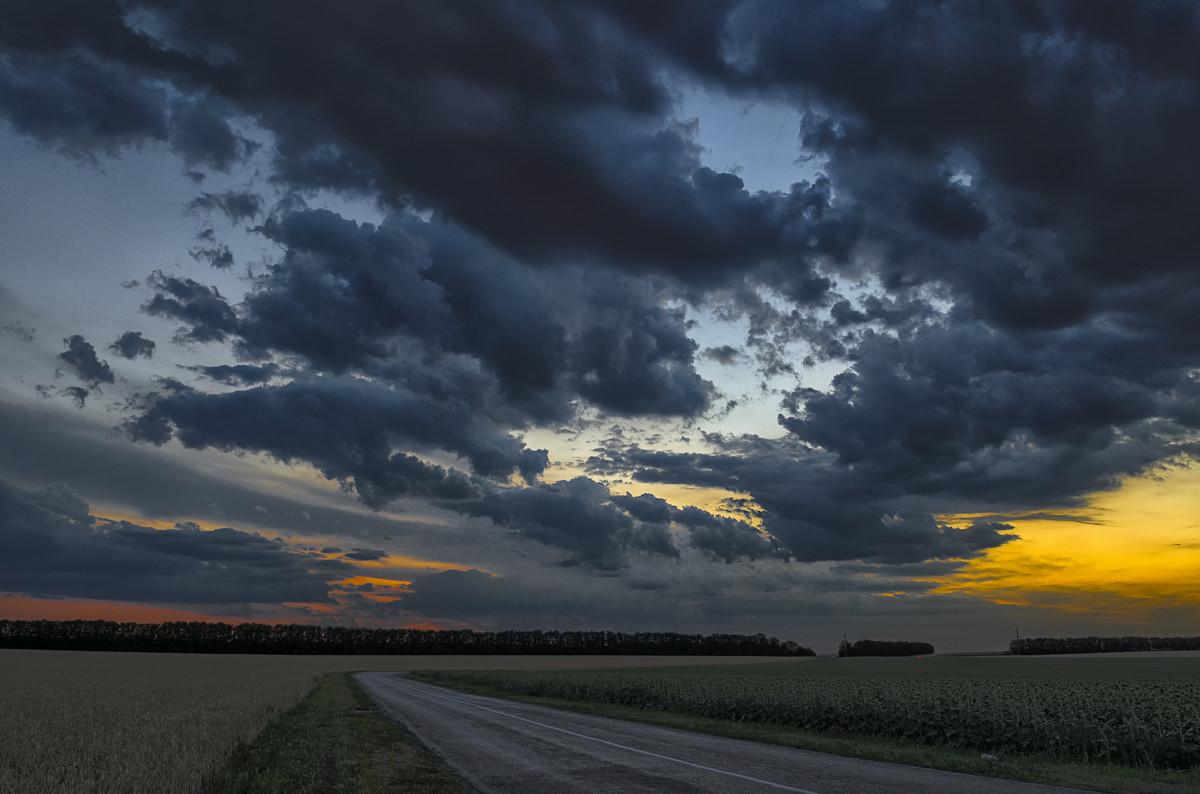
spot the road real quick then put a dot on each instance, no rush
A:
(504, 746)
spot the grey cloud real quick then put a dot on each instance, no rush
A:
(567, 124)
(39, 446)
(725, 354)
(576, 515)
(78, 394)
(220, 257)
(812, 508)
(239, 374)
(350, 428)
(79, 103)
(81, 357)
(208, 315)
(52, 546)
(365, 555)
(17, 330)
(201, 134)
(238, 207)
(132, 344)
(726, 539)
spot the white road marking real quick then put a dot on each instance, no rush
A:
(611, 744)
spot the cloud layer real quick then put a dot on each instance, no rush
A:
(998, 256)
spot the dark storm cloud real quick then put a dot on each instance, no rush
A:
(1068, 122)
(636, 358)
(52, 546)
(81, 357)
(812, 508)
(723, 538)
(79, 104)
(132, 344)
(931, 403)
(576, 515)
(201, 135)
(39, 447)
(365, 555)
(346, 295)
(350, 427)
(1000, 250)
(208, 315)
(545, 134)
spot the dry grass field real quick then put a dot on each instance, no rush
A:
(79, 721)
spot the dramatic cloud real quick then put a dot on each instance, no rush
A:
(463, 229)
(350, 426)
(53, 546)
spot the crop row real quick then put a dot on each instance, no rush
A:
(1150, 723)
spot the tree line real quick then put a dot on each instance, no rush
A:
(1032, 646)
(884, 648)
(293, 638)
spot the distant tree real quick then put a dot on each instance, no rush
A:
(197, 637)
(1033, 646)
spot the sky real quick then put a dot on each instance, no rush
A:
(814, 319)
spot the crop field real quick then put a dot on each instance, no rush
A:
(79, 721)
(1141, 712)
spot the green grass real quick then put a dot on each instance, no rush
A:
(1027, 767)
(335, 741)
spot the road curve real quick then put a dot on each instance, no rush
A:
(505, 746)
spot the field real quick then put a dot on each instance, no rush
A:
(79, 721)
(74, 721)
(1124, 711)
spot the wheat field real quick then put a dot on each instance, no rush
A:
(82, 721)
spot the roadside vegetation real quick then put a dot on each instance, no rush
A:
(335, 741)
(1118, 725)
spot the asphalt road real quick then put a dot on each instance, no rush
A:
(504, 746)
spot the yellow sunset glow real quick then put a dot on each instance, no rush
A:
(1129, 552)
(401, 561)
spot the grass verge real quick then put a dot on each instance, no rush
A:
(335, 741)
(1029, 768)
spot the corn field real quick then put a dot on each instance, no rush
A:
(1151, 723)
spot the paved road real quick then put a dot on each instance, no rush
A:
(504, 746)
